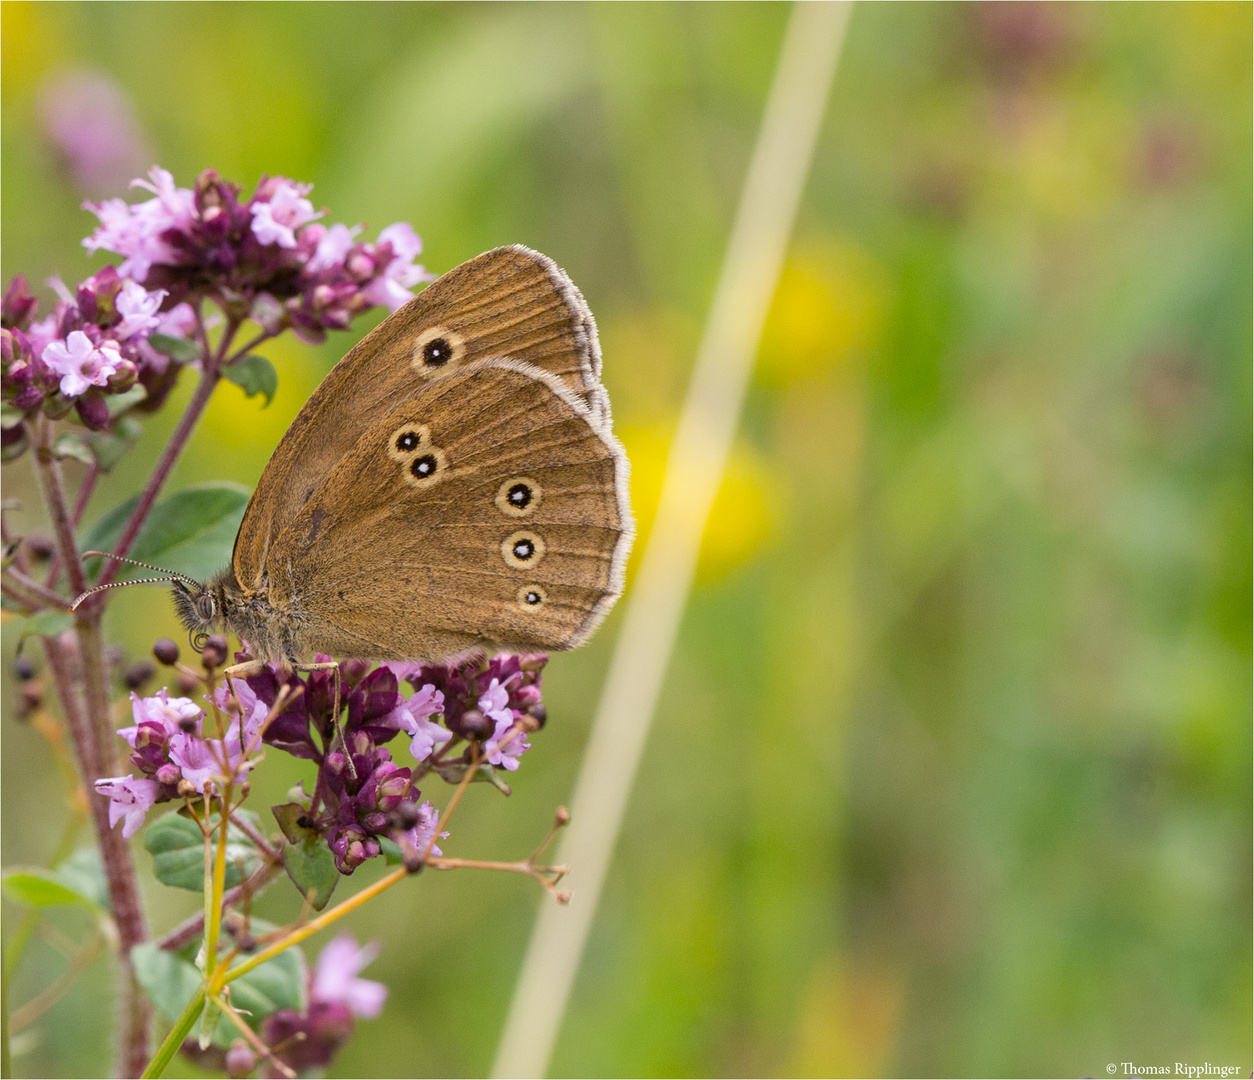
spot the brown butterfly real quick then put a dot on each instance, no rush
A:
(453, 484)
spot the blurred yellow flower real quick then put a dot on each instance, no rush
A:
(741, 520)
(829, 304)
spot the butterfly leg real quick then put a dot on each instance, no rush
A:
(241, 671)
(332, 666)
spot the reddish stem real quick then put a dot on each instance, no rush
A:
(124, 898)
(209, 377)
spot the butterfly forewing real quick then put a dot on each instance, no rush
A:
(510, 301)
(488, 508)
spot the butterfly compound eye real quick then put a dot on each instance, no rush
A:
(205, 607)
(437, 348)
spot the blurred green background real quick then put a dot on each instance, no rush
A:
(952, 772)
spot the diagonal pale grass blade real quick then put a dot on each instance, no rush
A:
(751, 267)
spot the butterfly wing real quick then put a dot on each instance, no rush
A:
(490, 508)
(508, 301)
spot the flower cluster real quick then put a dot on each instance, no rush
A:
(477, 713)
(495, 702)
(267, 257)
(95, 342)
(174, 757)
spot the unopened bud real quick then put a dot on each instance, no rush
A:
(124, 377)
(475, 726)
(40, 547)
(214, 654)
(24, 668)
(562, 896)
(165, 650)
(413, 859)
(561, 817)
(539, 714)
(186, 789)
(187, 725)
(188, 682)
(168, 774)
(240, 1059)
(138, 673)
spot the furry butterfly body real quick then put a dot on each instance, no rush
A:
(453, 484)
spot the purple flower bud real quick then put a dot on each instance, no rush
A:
(123, 378)
(165, 650)
(18, 305)
(168, 774)
(93, 410)
(13, 442)
(240, 1059)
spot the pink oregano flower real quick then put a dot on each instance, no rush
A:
(503, 749)
(80, 363)
(129, 801)
(412, 716)
(335, 978)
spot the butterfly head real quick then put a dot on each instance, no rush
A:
(199, 609)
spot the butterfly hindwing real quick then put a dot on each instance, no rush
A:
(507, 301)
(488, 508)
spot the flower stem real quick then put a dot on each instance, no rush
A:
(189, 929)
(48, 473)
(65, 664)
(209, 378)
(174, 1039)
(29, 593)
(310, 928)
(213, 908)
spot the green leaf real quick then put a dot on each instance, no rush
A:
(34, 886)
(167, 979)
(176, 348)
(192, 532)
(178, 853)
(170, 981)
(391, 851)
(70, 445)
(279, 983)
(44, 624)
(288, 816)
(119, 403)
(453, 773)
(311, 866)
(254, 375)
(84, 873)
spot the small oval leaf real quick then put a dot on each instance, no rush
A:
(254, 375)
(311, 866)
(45, 624)
(178, 854)
(176, 348)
